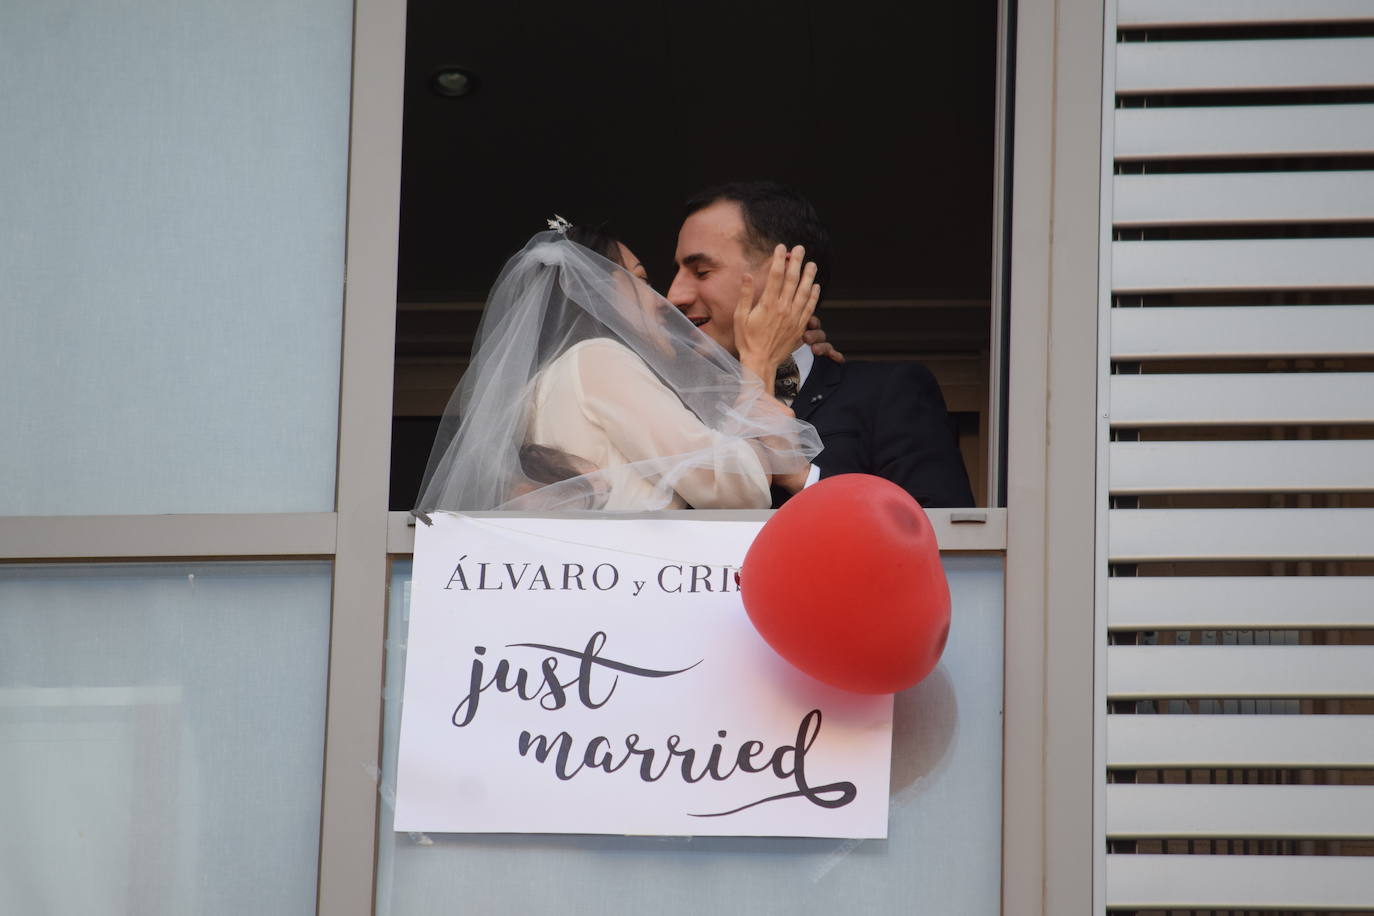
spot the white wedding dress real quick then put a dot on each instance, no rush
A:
(601, 403)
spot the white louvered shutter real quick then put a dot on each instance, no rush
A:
(1240, 532)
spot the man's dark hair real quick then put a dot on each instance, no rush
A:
(773, 214)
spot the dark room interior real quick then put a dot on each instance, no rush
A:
(614, 113)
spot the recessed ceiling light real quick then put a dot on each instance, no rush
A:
(453, 82)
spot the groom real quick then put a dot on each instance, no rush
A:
(886, 419)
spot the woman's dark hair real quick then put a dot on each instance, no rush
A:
(598, 240)
(544, 465)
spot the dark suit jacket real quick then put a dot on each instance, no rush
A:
(886, 419)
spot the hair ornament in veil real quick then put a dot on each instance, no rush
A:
(559, 224)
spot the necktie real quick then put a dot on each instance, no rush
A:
(788, 381)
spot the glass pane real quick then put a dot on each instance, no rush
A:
(942, 855)
(172, 252)
(162, 737)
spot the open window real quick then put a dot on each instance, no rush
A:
(884, 115)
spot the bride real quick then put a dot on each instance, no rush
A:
(587, 390)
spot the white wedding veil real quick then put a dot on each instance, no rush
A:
(550, 297)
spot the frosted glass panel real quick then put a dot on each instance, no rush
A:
(942, 855)
(161, 738)
(171, 254)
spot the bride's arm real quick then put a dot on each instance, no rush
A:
(653, 429)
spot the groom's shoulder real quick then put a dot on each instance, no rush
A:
(893, 376)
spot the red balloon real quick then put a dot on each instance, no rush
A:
(845, 582)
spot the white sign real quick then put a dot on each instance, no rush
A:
(601, 676)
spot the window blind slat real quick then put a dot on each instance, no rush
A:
(1239, 602)
(1211, 66)
(1242, 264)
(1159, 535)
(1242, 331)
(1181, 199)
(1166, 882)
(1257, 130)
(1136, 14)
(1311, 466)
(1218, 742)
(1241, 399)
(1236, 672)
(1239, 811)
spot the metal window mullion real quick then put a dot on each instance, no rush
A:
(166, 537)
(348, 824)
(956, 530)
(1103, 437)
(994, 420)
(1051, 855)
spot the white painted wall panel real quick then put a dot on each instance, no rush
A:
(1211, 66)
(1215, 198)
(1250, 331)
(1180, 741)
(1239, 602)
(1309, 466)
(1243, 264)
(1242, 399)
(1256, 130)
(1166, 882)
(1237, 672)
